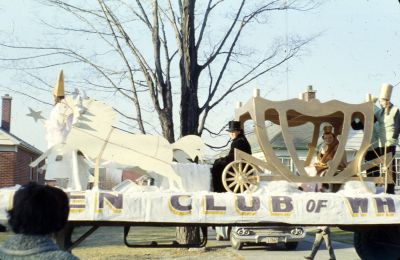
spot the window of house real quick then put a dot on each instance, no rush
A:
(31, 172)
(397, 171)
(287, 162)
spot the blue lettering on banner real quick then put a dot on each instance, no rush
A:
(357, 206)
(114, 202)
(385, 207)
(281, 205)
(180, 204)
(243, 209)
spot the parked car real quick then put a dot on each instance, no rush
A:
(290, 236)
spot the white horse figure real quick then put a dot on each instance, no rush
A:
(93, 134)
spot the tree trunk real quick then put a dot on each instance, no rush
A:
(167, 126)
(189, 71)
(188, 235)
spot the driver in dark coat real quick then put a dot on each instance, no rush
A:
(240, 142)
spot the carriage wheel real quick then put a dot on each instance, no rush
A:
(239, 176)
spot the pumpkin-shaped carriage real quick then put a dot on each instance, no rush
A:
(246, 171)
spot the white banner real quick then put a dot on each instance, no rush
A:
(207, 207)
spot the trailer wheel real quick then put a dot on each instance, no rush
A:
(236, 244)
(378, 242)
(239, 176)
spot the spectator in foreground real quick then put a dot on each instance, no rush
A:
(38, 212)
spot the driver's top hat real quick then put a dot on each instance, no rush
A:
(234, 126)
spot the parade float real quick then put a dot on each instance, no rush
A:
(82, 135)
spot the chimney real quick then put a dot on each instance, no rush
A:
(6, 113)
(309, 94)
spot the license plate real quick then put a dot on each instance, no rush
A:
(271, 240)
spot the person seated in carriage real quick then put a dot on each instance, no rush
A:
(325, 154)
(240, 142)
(327, 151)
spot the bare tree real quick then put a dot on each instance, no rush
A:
(153, 50)
(142, 73)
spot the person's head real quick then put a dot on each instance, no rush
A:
(385, 94)
(329, 138)
(384, 102)
(234, 129)
(233, 134)
(38, 210)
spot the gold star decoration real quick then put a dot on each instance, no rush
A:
(36, 115)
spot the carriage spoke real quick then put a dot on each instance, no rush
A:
(231, 173)
(230, 179)
(235, 170)
(241, 188)
(250, 172)
(247, 186)
(240, 167)
(236, 188)
(245, 167)
(233, 183)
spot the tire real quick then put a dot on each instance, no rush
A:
(377, 243)
(291, 245)
(219, 237)
(236, 244)
(2, 228)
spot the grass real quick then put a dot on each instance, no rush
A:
(342, 236)
(338, 235)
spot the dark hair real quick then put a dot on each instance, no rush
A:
(38, 210)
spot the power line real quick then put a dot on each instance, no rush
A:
(287, 47)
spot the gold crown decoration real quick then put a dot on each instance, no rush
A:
(58, 90)
(386, 91)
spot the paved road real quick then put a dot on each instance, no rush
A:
(342, 251)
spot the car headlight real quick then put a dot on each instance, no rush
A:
(243, 232)
(297, 231)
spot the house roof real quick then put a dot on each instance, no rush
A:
(9, 139)
(302, 136)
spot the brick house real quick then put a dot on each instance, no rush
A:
(15, 154)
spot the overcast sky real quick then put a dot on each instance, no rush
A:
(358, 49)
